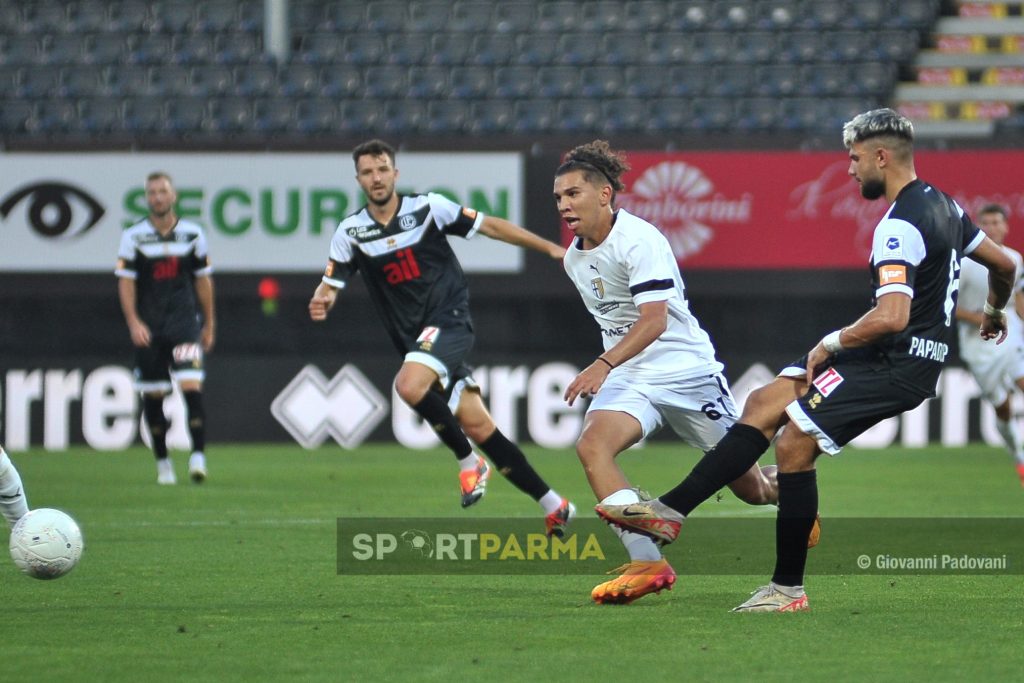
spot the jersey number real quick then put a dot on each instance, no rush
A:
(953, 288)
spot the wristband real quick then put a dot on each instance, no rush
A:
(831, 342)
(993, 312)
(605, 361)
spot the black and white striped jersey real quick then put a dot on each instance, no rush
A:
(164, 268)
(408, 266)
(916, 250)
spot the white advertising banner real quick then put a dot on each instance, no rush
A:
(261, 211)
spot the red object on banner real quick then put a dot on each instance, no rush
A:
(784, 210)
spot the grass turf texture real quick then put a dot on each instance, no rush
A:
(235, 580)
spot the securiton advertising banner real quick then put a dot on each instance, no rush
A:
(783, 210)
(262, 212)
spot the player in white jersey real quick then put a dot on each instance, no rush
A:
(13, 503)
(658, 365)
(997, 368)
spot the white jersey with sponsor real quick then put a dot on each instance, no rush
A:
(633, 266)
(972, 297)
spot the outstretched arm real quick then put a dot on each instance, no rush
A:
(1001, 273)
(889, 316)
(506, 231)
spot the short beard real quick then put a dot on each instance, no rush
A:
(872, 189)
(384, 201)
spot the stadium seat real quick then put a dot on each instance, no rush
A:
(305, 16)
(185, 114)
(144, 115)
(83, 81)
(514, 82)
(758, 113)
(670, 48)
(211, 80)
(685, 80)
(192, 48)
(824, 79)
(689, 15)
(231, 114)
(533, 116)
(624, 48)
(600, 16)
(513, 17)
(732, 80)
(408, 49)
(427, 82)
(469, 82)
(670, 114)
(557, 16)
(250, 15)
(802, 46)
(239, 48)
(169, 81)
(46, 17)
(65, 49)
(316, 115)
(256, 80)
(150, 48)
(733, 15)
(216, 16)
(642, 16)
(470, 17)
(17, 50)
(343, 17)
(449, 49)
(38, 82)
(490, 116)
(363, 49)
(386, 16)
(446, 116)
(385, 81)
(428, 16)
(895, 46)
(56, 116)
(339, 80)
(626, 115)
(777, 15)
(492, 49)
(871, 78)
(128, 16)
(601, 81)
(176, 17)
(714, 47)
(914, 14)
(124, 81)
(12, 19)
(403, 116)
(535, 49)
(300, 80)
(578, 49)
(19, 116)
(578, 115)
(273, 114)
(823, 14)
(321, 48)
(645, 81)
(846, 46)
(779, 80)
(100, 115)
(712, 113)
(557, 81)
(756, 47)
(106, 49)
(356, 117)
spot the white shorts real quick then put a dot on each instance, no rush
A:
(996, 370)
(699, 410)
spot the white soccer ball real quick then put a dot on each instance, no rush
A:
(46, 543)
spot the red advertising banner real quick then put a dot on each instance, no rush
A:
(784, 210)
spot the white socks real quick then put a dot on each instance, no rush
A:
(13, 502)
(1011, 437)
(638, 546)
(550, 501)
(469, 462)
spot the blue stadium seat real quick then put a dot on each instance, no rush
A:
(321, 48)
(446, 116)
(557, 16)
(642, 16)
(305, 16)
(427, 82)
(733, 15)
(17, 50)
(83, 81)
(144, 115)
(600, 16)
(490, 116)
(577, 115)
(802, 47)
(871, 78)
(408, 48)
(363, 49)
(777, 15)
(231, 114)
(514, 82)
(758, 113)
(106, 49)
(557, 81)
(624, 48)
(87, 16)
(386, 16)
(670, 114)
(191, 48)
(300, 80)
(19, 117)
(150, 48)
(385, 81)
(732, 80)
(38, 82)
(578, 48)
(513, 17)
(534, 116)
(256, 80)
(250, 15)
(100, 115)
(846, 46)
(403, 116)
(824, 14)
(12, 19)
(644, 81)
(273, 114)
(128, 16)
(169, 81)
(601, 81)
(685, 80)
(913, 14)
(211, 80)
(779, 80)
(216, 16)
(65, 49)
(712, 114)
(340, 80)
(715, 47)
(689, 15)
(46, 17)
(126, 81)
(824, 80)
(174, 17)
(867, 15)
(625, 115)
(535, 49)
(343, 17)
(470, 17)
(670, 48)
(449, 49)
(316, 115)
(470, 82)
(428, 16)
(356, 117)
(895, 46)
(756, 47)
(56, 116)
(239, 48)
(492, 49)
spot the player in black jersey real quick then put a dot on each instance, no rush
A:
(885, 363)
(166, 292)
(399, 245)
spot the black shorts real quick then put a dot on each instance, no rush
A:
(443, 350)
(154, 364)
(852, 395)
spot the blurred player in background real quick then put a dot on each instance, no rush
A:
(996, 367)
(166, 292)
(399, 244)
(885, 363)
(13, 503)
(658, 365)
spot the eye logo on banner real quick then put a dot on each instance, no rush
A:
(55, 210)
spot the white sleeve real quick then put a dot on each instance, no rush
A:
(340, 257)
(896, 242)
(651, 267)
(125, 257)
(202, 254)
(453, 219)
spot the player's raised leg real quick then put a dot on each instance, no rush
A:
(476, 422)
(13, 502)
(607, 433)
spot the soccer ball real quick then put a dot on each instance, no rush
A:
(46, 543)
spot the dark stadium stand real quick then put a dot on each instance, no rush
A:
(109, 67)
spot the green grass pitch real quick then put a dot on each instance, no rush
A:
(235, 580)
